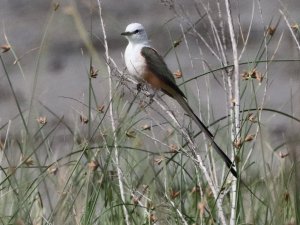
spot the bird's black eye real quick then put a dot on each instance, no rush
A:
(136, 31)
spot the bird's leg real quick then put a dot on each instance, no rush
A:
(139, 87)
(151, 96)
(150, 91)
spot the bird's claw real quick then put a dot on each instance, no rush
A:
(151, 98)
(139, 87)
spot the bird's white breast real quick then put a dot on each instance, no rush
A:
(135, 62)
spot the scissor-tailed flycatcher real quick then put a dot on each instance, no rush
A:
(145, 64)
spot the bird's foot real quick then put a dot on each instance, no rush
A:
(151, 98)
(139, 87)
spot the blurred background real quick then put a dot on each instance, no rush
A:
(53, 62)
(55, 160)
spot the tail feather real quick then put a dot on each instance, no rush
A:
(183, 103)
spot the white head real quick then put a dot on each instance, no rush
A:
(135, 33)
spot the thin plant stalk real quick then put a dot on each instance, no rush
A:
(235, 110)
(111, 110)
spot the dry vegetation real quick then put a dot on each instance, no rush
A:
(132, 159)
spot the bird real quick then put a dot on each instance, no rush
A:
(145, 64)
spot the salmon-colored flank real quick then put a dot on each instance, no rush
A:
(157, 83)
(152, 79)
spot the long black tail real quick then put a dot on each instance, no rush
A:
(180, 99)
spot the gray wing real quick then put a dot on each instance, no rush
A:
(157, 66)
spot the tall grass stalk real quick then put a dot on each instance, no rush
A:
(140, 160)
(111, 111)
(234, 106)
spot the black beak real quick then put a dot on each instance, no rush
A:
(126, 33)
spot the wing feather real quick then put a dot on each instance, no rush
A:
(158, 67)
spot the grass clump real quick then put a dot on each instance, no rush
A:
(132, 159)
